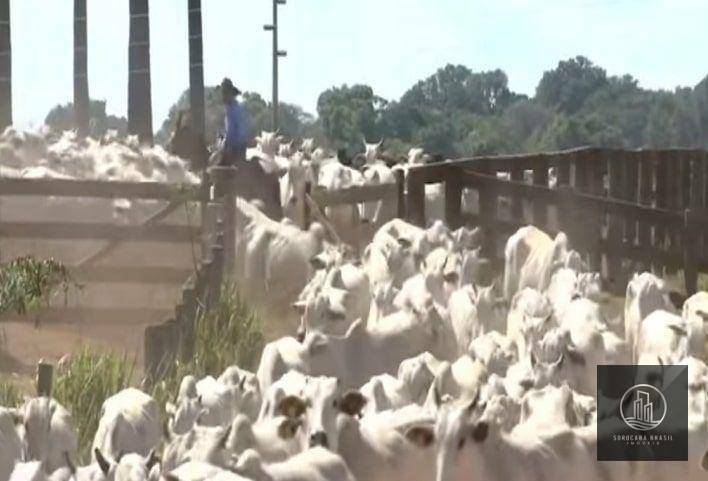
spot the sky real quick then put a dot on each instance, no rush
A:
(388, 44)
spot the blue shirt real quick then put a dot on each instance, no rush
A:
(236, 125)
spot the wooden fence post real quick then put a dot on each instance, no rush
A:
(5, 66)
(187, 322)
(415, 202)
(540, 206)
(517, 204)
(161, 343)
(453, 199)
(224, 189)
(45, 378)
(401, 193)
(488, 215)
(614, 228)
(693, 224)
(644, 196)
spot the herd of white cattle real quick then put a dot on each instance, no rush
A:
(411, 362)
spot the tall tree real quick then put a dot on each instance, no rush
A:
(568, 85)
(196, 66)
(81, 92)
(139, 90)
(5, 66)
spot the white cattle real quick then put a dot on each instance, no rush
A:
(551, 407)
(495, 351)
(130, 423)
(460, 381)
(201, 471)
(356, 356)
(695, 314)
(49, 433)
(472, 448)
(661, 339)
(383, 392)
(388, 445)
(315, 464)
(343, 297)
(382, 296)
(292, 186)
(128, 467)
(210, 403)
(530, 317)
(531, 256)
(200, 444)
(275, 257)
(438, 279)
(378, 212)
(567, 284)
(248, 387)
(316, 401)
(10, 442)
(646, 293)
(345, 219)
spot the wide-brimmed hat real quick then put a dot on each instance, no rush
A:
(228, 86)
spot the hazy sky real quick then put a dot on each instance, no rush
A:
(389, 44)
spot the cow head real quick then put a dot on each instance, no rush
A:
(129, 467)
(184, 415)
(372, 151)
(459, 433)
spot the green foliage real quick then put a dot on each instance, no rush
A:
(10, 395)
(91, 378)
(457, 112)
(229, 334)
(27, 284)
(293, 121)
(61, 118)
(348, 115)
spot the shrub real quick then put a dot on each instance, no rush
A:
(10, 395)
(91, 378)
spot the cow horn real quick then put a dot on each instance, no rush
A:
(102, 462)
(152, 460)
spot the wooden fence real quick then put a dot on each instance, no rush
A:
(625, 210)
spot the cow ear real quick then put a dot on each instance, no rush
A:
(223, 441)
(299, 306)
(575, 356)
(677, 299)
(102, 462)
(479, 432)
(291, 407)
(352, 403)
(420, 436)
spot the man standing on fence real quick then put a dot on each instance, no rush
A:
(236, 124)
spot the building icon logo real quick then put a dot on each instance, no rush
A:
(643, 407)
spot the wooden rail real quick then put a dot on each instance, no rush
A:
(624, 209)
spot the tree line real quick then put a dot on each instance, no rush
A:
(458, 112)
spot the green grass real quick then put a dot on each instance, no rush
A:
(90, 378)
(230, 333)
(10, 394)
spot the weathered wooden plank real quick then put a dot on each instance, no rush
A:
(620, 207)
(127, 316)
(96, 188)
(355, 195)
(111, 246)
(78, 230)
(540, 178)
(517, 205)
(453, 201)
(130, 275)
(645, 196)
(615, 224)
(415, 198)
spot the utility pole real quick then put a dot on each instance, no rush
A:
(139, 89)
(196, 68)
(81, 93)
(5, 66)
(276, 54)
